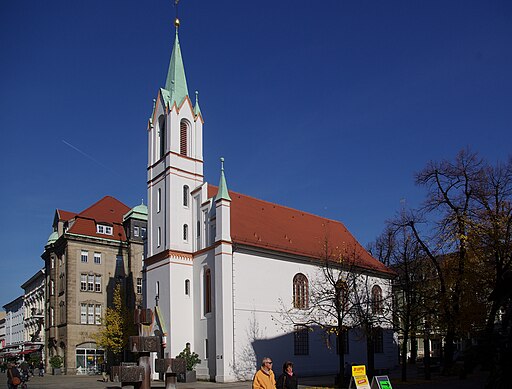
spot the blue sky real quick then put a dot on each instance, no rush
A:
(327, 106)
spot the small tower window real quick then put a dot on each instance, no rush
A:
(159, 237)
(185, 232)
(187, 287)
(185, 195)
(159, 200)
(161, 135)
(183, 138)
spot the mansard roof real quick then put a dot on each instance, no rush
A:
(275, 227)
(107, 211)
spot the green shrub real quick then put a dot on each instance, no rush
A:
(56, 361)
(190, 358)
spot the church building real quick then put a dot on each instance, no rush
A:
(233, 275)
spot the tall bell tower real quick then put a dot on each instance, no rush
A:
(175, 162)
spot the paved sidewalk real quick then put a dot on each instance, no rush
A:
(475, 381)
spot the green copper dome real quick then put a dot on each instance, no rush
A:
(52, 238)
(139, 212)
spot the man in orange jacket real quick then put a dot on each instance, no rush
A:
(264, 377)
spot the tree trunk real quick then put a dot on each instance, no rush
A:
(370, 353)
(404, 356)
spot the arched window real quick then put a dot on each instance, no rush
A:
(185, 195)
(161, 135)
(185, 232)
(158, 237)
(342, 294)
(300, 291)
(377, 306)
(207, 291)
(183, 138)
(187, 287)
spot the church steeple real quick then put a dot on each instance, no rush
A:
(176, 82)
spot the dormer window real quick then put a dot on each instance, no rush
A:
(103, 229)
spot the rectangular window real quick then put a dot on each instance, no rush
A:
(84, 256)
(90, 283)
(344, 337)
(97, 258)
(52, 261)
(143, 232)
(135, 231)
(301, 340)
(83, 313)
(90, 314)
(206, 349)
(139, 285)
(378, 340)
(97, 314)
(83, 282)
(97, 285)
(158, 237)
(52, 287)
(159, 200)
(52, 317)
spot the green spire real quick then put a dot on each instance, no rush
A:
(223, 186)
(197, 110)
(176, 83)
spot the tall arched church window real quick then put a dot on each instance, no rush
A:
(377, 305)
(183, 138)
(342, 295)
(300, 291)
(185, 195)
(207, 291)
(161, 135)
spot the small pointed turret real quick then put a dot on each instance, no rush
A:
(197, 110)
(176, 83)
(223, 193)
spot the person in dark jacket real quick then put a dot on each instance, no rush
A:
(287, 380)
(12, 371)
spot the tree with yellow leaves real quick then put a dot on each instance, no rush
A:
(117, 326)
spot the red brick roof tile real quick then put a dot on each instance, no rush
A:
(263, 224)
(107, 211)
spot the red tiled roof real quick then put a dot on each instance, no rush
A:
(263, 224)
(107, 211)
(65, 215)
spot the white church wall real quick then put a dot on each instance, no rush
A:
(263, 290)
(204, 324)
(181, 310)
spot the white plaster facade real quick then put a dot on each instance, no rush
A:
(14, 322)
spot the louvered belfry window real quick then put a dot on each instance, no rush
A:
(300, 291)
(183, 138)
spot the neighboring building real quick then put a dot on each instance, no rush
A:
(33, 301)
(85, 256)
(2, 332)
(223, 266)
(14, 327)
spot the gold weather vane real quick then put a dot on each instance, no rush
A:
(177, 20)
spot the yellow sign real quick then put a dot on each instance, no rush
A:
(359, 370)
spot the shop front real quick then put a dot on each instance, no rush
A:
(88, 359)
